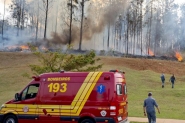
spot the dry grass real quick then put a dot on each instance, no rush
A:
(159, 66)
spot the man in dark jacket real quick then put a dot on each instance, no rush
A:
(162, 79)
(149, 108)
(172, 80)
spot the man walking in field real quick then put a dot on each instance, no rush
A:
(172, 80)
(149, 108)
(162, 79)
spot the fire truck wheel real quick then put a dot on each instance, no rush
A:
(10, 119)
(87, 121)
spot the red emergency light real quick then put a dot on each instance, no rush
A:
(107, 77)
(117, 71)
(62, 71)
(37, 78)
(113, 71)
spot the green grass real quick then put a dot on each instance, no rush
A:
(139, 83)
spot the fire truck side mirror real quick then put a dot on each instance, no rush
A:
(17, 97)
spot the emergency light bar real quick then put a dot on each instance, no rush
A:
(61, 71)
(116, 71)
(37, 78)
(113, 71)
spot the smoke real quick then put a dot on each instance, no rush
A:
(98, 15)
(107, 15)
(7, 3)
(11, 38)
(64, 37)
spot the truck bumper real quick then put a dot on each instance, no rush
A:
(110, 120)
(125, 121)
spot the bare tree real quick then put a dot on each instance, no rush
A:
(56, 21)
(82, 18)
(3, 20)
(18, 12)
(47, 4)
(68, 17)
(71, 19)
(37, 23)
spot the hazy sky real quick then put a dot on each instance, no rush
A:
(9, 1)
(179, 1)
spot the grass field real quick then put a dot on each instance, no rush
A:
(142, 76)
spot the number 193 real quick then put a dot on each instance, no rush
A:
(57, 87)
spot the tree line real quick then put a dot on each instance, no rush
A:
(127, 26)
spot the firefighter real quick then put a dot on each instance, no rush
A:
(162, 79)
(172, 80)
(149, 108)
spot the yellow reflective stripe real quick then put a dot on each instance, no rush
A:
(88, 86)
(89, 92)
(85, 94)
(81, 98)
(10, 105)
(65, 107)
(93, 85)
(10, 111)
(80, 91)
(65, 110)
(29, 110)
(6, 109)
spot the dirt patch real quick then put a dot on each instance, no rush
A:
(159, 66)
(14, 59)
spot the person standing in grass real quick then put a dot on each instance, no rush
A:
(172, 80)
(149, 108)
(162, 79)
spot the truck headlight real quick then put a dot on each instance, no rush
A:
(2, 106)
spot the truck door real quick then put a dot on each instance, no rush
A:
(122, 99)
(27, 104)
(125, 102)
(48, 107)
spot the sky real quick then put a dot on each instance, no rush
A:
(1, 8)
(8, 2)
(179, 1)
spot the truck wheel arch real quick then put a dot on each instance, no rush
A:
(10, 115)
(86, 120)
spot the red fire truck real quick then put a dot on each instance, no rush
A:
(70, 97)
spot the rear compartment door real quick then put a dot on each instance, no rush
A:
(122, 110)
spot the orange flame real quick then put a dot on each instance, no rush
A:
(178, 56)
(150, 52)
(24, 47)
